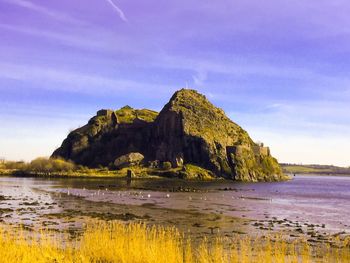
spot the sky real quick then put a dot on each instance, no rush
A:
(278, 68)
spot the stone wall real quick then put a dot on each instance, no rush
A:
(260, 150)
(104, 112)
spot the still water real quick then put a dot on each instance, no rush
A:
(322, 201)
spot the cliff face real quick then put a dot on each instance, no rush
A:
(188, 130)
(107, 136)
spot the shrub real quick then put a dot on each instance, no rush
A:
(166, 165)
(47, 166)
(11, 165)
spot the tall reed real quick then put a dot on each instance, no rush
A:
(136, 242)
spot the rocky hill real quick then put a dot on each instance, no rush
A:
(188, 132)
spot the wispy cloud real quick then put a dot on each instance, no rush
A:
(72, 81)
(309, 76)
(296, 118)
(200, 77)
(118, 10)
(84, 40)
(62, 17)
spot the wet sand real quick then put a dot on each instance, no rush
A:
(311, 207)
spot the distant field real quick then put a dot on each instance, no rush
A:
(315, 169)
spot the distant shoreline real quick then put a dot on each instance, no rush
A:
(315, 169)
(319, 174)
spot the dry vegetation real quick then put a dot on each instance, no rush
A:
(136, 242)
(40, 165)
(54, 167)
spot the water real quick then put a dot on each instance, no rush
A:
(323, 201)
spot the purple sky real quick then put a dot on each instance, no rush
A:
(278, 68)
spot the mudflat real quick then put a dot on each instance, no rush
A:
(314, 207)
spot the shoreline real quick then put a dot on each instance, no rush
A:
(72, 202)
(117, 174)
(203, 211)
(317, 174)
(76, 211)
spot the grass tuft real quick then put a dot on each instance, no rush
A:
(137, 242)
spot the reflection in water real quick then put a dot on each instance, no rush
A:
(128, 182)
(316, 200)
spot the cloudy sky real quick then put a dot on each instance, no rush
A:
(279, 68)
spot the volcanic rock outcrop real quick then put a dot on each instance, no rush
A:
(188, 130)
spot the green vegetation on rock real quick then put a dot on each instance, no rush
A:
(128, 115)
(189, 130)
(203, 119)
(195, 172)
(250, 168)
(192, 129)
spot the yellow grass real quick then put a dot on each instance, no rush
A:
(117, 242)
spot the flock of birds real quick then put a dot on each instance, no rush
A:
(99, 193)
